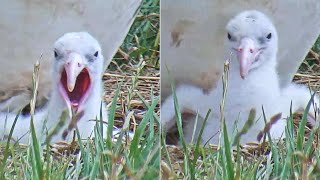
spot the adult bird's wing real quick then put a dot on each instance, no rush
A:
(29, 28)
(193, 33)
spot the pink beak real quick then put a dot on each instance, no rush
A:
(73, 67)
(246, 54)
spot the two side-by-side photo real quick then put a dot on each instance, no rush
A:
(160, 89)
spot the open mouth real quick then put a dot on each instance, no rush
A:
(78, 95)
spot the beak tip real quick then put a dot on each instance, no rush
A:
(243, 75)
(70, 88)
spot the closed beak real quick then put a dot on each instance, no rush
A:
(246, 53)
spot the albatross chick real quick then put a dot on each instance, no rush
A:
(253, 83)
(76, 89)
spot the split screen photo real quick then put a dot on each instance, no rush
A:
(160, 89)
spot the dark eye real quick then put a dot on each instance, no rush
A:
(269, 36)
(96, 54)
(55, 54)
(229, 36)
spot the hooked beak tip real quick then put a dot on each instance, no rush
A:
(243, 75)
(70, 87)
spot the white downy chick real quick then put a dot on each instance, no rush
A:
(252, 41)
(77, 87)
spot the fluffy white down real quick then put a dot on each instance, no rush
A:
(259, 88)
(83, 44)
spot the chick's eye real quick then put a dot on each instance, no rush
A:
(229, 36)
(55, 54)
(96, 54)
(269, 36)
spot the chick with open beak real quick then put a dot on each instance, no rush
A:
(77, 89)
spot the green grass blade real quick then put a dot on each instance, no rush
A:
(36, 153)
(6, 151)
(302, 125)
(228, 153)
(112, 111)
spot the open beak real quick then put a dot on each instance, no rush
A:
(246, 53)
(75, 80)
(73, 67)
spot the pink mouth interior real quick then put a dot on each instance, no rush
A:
(81, 87)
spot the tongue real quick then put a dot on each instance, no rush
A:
(74, 104)
(81, 87)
